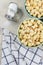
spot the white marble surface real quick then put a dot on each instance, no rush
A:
(3, 9)
(4, 23)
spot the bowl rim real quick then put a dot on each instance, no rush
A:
(19, 38)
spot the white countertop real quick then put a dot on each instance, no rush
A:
(4, 23)
(3, 9)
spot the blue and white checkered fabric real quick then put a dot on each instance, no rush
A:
(14, 53)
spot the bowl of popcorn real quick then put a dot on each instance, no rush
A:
(30, 32)
(34, 8)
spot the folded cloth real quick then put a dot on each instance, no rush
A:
(14, 53)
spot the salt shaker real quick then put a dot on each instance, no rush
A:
(14, 13)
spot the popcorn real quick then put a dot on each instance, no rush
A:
(35, 7)
(30, 34)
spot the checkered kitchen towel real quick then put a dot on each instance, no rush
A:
(14, 53)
